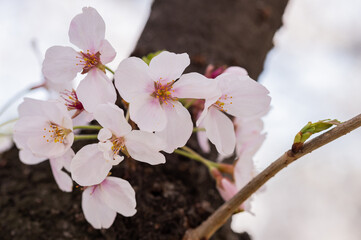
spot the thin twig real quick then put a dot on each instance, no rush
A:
(220, 216)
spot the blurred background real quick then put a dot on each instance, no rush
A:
(312, 74)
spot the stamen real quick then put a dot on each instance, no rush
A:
(58, 133)
(222, 102)
(163, 92)
(89, 60)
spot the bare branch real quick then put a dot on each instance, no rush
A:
(220, 216)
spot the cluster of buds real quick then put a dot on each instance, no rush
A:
(228, 105)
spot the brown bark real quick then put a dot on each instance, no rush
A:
(172, 197)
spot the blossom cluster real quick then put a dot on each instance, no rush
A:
(226, 106)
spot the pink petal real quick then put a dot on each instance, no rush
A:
(27, 157)
(39, 146)
(145, 147)
(89, 166)
(249, 98)
(95, 89)
(208, 103)
(96, 212)
(104, 134)
(63, 180)
(61, 64)
(220, 131)
(107, 52)
(132, 79)
(118, 195)
(112, 117)
(148, 114)
(203, 141)
(236, 70)
(244, 170)
(87, 30)
(195, 85)
(178, 129)
(227, 189)
(168, 66)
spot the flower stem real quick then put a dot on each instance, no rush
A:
(199, 129)
(86, 137)
(89, 127)
(107, 68)
(187, 152)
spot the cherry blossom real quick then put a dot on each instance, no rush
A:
(61, 64)
(102, 202)
(93, 162)
(240, 97)
(44, 130)
(62, 178)
(154, 92)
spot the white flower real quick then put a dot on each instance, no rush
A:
(101, 202)
(44, 130)
(240, 97)
(61, 64)
(153, 91)
(93, 162)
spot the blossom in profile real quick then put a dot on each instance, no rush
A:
(61, 64)
(240, 96)
(93, 162)
(153, 92)
(102, 202)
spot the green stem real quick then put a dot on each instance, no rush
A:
(109, 69)
(199, 129)
(89, 127)
(187, 152)
(85, 137)
(8, 122)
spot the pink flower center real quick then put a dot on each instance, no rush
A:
(71, 100)
(163, 92)
(55, 133)
(89, 60)
(222, 102)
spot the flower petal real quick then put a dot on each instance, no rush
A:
(95, 89)
(178, 129)
(112, 117)
(118, 195)
(104, 134)
(61, 64)
(195, 85)
(249, 98)
(145, 147)
(220, 131)
(168, 66)
(107, 52)
(89, 166)
(96, 212)
(64, 181)
(27, 157)
(132, 79)
(236, 70)
(87, 30)
(148, 114)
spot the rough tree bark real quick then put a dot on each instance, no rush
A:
(172, 197)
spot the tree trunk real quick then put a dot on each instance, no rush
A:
(172, 197)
